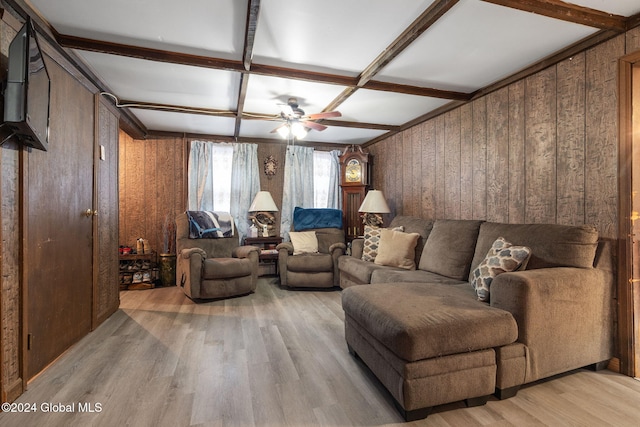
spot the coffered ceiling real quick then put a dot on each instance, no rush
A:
(223, 68)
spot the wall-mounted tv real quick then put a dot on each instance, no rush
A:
(26, 95)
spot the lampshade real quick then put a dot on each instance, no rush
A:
(284, 131)
(263, 202)
(374, 202)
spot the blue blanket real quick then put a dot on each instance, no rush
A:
(305, 219)
(210, 225)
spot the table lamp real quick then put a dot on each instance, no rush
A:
(372, 207)
(262, 217)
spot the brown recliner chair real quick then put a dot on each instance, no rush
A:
(214, 268)
(313, 270)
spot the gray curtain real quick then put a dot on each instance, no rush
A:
(245, 184)
(298, 185)
(335, 195)
(200, 181)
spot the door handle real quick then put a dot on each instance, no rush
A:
(88, 213)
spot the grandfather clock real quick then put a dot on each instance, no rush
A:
(354, 167)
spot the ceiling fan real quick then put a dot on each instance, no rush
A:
(297, 123)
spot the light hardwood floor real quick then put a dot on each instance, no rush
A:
(274, 358)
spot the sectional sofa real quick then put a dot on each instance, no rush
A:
(422, 330)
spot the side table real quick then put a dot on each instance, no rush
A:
(268, 253)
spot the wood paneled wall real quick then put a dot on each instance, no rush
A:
(541, 150)
(152, 181)
(14, 164)
(10, 257)
(153, 184)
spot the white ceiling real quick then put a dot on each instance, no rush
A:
(323, 47)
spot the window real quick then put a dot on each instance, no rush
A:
(326, 173)
(321, 178)
(210, 176)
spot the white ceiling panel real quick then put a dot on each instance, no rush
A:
(185, 123)
(165, 83)
(333, 36)
(259, 129)
(370, 106)
(201, 27)
(460, 52)
(343, 135)
(264, 94)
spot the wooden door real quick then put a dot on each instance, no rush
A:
(106, 292)
(58, 191)
(629, 222)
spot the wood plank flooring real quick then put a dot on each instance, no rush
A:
(274, 358)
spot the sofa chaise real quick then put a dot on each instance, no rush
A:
(428, 338)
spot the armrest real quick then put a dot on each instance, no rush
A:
(337, 249)
(357, 246)
(564, 316)
(245, 251)
(285, 246)
(189, 270)
(188, 253)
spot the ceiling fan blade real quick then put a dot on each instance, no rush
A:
(325, 115)
(276, 129)
(314, 125)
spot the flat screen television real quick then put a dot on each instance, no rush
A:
(27, 91)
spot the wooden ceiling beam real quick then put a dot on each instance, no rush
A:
(250, 33)
(251, 26)
(417, 90)
(415, 30)
(91, 45)
(242, 95)
(567, 12)
(149, 54)
(411, 33)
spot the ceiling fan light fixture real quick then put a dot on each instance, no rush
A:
(298, 130)
(284, 131)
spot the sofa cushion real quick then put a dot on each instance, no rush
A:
(501, 258)
(327, 237)
(398, 275)
(412, 224)
(310, 262)
(226, 268)
(417, 321)
(397, 249)
(303, 242)
(551, 245)
(358, 269)
(450, 248)
(372, 241)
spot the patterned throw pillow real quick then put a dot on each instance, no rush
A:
(372, 241)
(501, 258)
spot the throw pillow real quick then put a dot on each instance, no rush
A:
(304, 242)
(501, 258)
(372, 241)
(397, 249)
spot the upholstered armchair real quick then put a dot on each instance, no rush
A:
(317, 265)
(212, 268)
